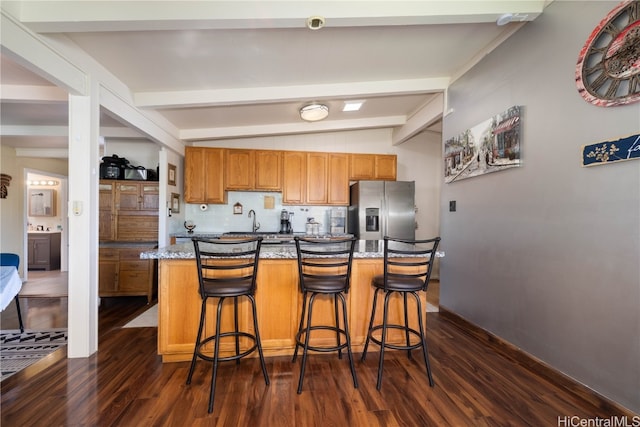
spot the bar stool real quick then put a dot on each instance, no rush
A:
(226, 269)
(324, 268)
(407, 270)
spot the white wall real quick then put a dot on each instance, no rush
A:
(546, 256)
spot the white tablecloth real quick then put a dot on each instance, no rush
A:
(11, 285)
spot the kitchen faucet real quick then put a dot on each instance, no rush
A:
(256, 225)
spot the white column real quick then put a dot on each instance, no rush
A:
(84, 117)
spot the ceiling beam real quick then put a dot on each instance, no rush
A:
(27, 50)
(260, 95)
(290, 128)
(423, 118)
(74, 16)
(27, 93)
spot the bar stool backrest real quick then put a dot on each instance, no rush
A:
(225, 262)
(325, 260)
(408, 260)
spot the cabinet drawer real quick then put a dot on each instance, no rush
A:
(141, 265)
(130, 281)
(108, 255)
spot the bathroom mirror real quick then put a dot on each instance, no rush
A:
(42, 202)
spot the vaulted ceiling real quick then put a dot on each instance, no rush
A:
(210, 70)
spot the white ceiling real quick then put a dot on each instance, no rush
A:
(230, 69)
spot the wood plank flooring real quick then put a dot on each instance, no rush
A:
(478, 383)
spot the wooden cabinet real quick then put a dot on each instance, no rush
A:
(240, 169)
(43, 252)
(278, 302)
(305, 178)
(317, 172)
(106, 212)
(128, 211)
(338, 179)
(268, 170)
(294, 185)
(136, 196)
(249, 170)
(204, 175)
(386, 167)
(372, 167)
(123, 273)
(315, 178)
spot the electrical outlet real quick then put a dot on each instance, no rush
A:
(452, 206)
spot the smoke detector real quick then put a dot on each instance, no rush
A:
(315, 22)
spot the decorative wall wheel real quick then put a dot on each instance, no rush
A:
(608, 70)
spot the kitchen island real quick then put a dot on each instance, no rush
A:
(278, 300)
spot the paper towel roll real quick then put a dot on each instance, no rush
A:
(204, 207)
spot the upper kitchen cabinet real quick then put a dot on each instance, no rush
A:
(204, 175)
(268, 170)
(315, 178)
(317, 170)
(240, 169)
(338, 179)
(294, 177)
(372, 167)
(249, 170)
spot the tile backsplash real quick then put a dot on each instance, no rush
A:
(221, 218)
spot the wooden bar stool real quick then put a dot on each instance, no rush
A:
(407, 270)
(226, 269)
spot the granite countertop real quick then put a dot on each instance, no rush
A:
(363, 249)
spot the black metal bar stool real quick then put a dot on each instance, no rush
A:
(226, 269)
(324, 268)
(407, 270)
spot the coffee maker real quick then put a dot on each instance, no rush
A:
(285, 222)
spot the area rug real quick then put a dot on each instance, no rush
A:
(19, 350)
(148, 319)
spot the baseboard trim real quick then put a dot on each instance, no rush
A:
(536, 365)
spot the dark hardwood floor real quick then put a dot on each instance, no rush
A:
(478, 383)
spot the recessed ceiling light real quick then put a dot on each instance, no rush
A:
(352, 105)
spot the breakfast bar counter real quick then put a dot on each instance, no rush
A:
(277, 297)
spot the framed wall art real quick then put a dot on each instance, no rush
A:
(490, 146)
(171, 180)
(606, 152)
(175, 203)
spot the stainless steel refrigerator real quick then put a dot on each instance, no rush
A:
(382, 208)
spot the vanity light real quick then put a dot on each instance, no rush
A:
(314, 112)
(43, 182)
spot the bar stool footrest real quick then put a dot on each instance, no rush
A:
(300, 341)
(202, 355)
(411, 331)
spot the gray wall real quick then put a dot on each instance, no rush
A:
(546, 256)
